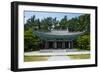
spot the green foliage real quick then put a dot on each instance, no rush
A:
(63, 23)
(83, 42)
(81, 23)
(31, 42)
(73, 24)
(47, 23)
(32, 23)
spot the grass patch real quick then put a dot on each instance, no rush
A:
(35, 58)
(79, 56)
(79, 49)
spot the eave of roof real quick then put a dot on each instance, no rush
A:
(58, 35)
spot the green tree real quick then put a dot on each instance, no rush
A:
(29, 23)
(81, 23)
(55, 23)
(31, 41)
(73, 24)
(63, 23)
(36, 25)
(48, 23)
(44, 24)
(83, 42)
(84, 21)
(32, 23)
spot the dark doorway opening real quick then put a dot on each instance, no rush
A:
(66, 44)
(51, 45)
(59, 44)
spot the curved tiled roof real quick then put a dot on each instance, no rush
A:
(62, 32)
(58, 35)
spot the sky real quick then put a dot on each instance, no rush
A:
(42, 15)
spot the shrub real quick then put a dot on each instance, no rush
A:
(84, 42)
(31, 41)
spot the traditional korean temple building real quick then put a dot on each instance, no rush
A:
(58, 39)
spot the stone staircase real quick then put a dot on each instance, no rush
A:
(53, 50)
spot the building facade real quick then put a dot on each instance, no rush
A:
(58, 39)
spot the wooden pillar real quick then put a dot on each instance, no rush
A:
(55, 44)
(63, 44)
(72, 44)
(46, 45)
(69, 46)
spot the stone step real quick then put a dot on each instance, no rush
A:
(53, 50)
